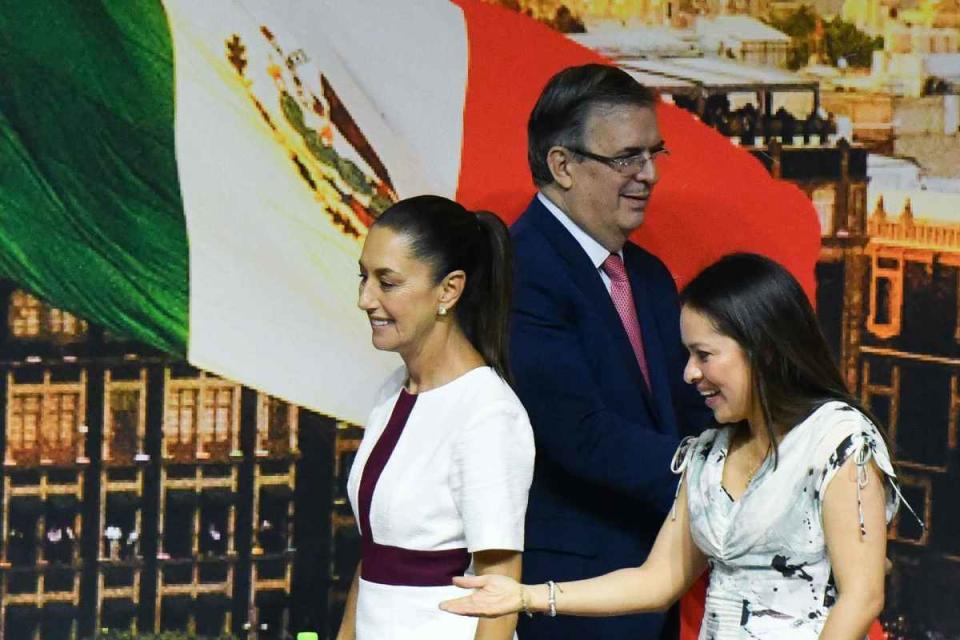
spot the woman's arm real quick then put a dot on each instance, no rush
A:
(502, 563)
(858, 560)
(348, 625)
(673, 565)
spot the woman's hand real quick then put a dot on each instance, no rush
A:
(495, 596)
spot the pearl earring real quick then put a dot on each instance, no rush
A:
(441, 310)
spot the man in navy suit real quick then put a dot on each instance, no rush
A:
(595, 345)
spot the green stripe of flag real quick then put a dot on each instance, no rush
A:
(91, 216)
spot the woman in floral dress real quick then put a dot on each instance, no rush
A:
(787, 501)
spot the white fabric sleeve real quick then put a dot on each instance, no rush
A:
(493, 469)
(851, 434)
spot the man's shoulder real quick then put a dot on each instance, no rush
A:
(522, 230)
(527, 236)
(633, 251)
(525, 223)
(640, 259)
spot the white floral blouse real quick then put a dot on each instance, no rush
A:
(770, 572)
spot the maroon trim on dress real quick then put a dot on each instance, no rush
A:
(394, 565)
(411, 567)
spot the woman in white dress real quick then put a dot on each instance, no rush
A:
(439, 484)
(787, 501)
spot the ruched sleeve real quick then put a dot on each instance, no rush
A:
(852, 434)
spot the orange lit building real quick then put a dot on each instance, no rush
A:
(888, 300)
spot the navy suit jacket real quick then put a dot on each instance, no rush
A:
(602, 483)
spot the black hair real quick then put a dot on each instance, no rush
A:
(445, 235)
(756, 301)
(563, 107)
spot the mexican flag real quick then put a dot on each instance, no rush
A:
(200, 175)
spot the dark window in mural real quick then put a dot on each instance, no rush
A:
(175, 612)
(121, 535)
(830, 303)
(22, 548)
(214, 528)
(21, 621)
(272, 532)
(929, 300)
(880, 407)
(882, 302)
(178, 530)
(924, 415)
(57, 621)
(124, 420)
(59, 535)
(881, 371)
(211, 613)
(21, 534)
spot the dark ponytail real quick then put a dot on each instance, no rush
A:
(447, 236)
(492, 296)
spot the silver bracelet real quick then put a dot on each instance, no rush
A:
(552, 598)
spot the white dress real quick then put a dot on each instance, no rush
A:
(455, 482)
(770, 573)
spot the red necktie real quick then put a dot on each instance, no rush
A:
(623, 301)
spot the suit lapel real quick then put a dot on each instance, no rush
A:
(587, 279)
(652, 345)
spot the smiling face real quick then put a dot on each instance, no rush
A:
(607, 204)
(719, 368)
(398, 292)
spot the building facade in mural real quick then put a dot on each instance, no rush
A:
(141, 494)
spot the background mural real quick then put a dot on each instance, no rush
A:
(141, 493)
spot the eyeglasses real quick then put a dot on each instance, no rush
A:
(626, 165)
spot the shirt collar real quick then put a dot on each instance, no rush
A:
(594, 250)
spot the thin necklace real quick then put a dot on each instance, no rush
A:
(757, 466)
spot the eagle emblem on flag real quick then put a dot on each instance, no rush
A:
(352, 191)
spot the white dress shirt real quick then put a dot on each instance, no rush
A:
(594, 250)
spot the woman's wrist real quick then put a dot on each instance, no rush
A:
(536, 597)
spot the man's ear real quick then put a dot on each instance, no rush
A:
(559, 160)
